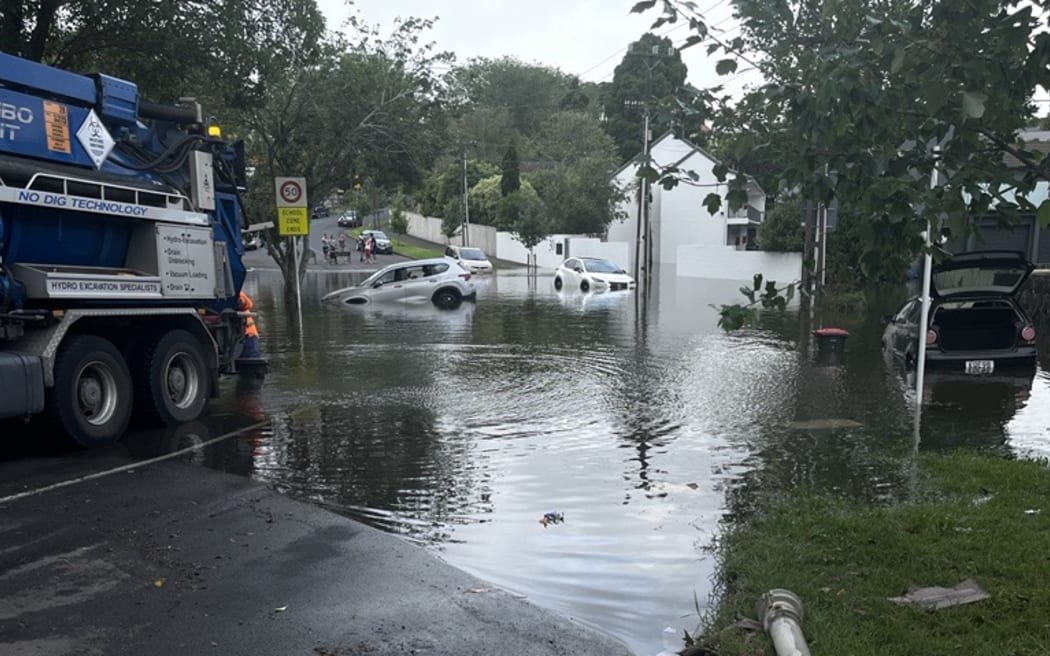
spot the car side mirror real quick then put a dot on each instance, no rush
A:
(578, 270)
(377, 284)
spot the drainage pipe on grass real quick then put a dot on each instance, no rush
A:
(780, 612)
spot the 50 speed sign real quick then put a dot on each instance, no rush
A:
(291, 192)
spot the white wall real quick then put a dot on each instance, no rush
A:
(428, 228)
(727, 263)
(510, 249)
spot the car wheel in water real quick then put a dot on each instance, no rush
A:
(557, 283)
(91, 399)
(585, 286)
(447, 298)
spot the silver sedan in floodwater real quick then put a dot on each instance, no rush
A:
(441, 281)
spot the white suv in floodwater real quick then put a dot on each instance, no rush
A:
(441, 281)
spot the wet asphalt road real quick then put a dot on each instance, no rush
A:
(173, 558)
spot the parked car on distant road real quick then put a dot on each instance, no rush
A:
(348, 219)
(319, 212)
(591, 274)
(976, 325)
(472, 259)
(383, 244)
(441, 281)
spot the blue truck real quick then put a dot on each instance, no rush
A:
(120, 253)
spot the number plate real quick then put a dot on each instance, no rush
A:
(978, 367)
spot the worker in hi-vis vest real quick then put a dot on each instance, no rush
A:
(251, 333)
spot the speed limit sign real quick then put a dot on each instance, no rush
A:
(291, 192)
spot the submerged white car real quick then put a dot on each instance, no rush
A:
(592, 274)
(441, 281)
(471, 259)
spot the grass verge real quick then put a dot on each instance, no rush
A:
(416, 252)
(970, 516)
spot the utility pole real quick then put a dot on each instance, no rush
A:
(466, 202)
(643, 243)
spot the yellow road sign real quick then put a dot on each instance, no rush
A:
(292, 221)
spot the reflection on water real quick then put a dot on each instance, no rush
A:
(641, 422)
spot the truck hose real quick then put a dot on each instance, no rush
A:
(182, 115)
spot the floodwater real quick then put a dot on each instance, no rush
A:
(639, 421)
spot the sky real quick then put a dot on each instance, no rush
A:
(587, 38)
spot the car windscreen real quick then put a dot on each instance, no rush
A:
(379, 235)
(472, 254)
(601, 266)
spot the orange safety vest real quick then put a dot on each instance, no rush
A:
(249, 322)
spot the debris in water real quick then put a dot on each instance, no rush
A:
(552, 518)
(479, 590)
(280, 610)
(935, 598)
(160, 582)
(830, 423)
(1033, 511)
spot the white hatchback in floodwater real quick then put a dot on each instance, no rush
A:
(441, 281)
(591, 274)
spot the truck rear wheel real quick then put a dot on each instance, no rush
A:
(91, 399)
(176, 378)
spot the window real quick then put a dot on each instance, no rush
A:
(902, 315)
(428, 270)
(572, 264)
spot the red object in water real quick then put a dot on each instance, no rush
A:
(831, 332)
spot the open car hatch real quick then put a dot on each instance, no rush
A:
(981, 272)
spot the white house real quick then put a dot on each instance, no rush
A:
(678, 216)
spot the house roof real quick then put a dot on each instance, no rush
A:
(693, 150)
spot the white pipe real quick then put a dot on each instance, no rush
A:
(780, 612)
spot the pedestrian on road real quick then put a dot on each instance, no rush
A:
(370, 245)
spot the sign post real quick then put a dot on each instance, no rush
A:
(293, 221)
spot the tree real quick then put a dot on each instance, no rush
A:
(398, 216)
(445, 182)
(215, 51)
(510, 171)
(574, 162)
(451, 218)
(528, 92)
(366, 108)
(863, 103)
(650, 73)
(782, 228)
(531, 225)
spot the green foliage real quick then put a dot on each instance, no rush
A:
(528, 217)
(510, 171)
(398, 216)
(763, 294)
(781, 231)
(659, 80)
(574, 162)
(451, 217)
(528, 93)
(488, 206)
(485, 199)
(445, 182)
(218, 52)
